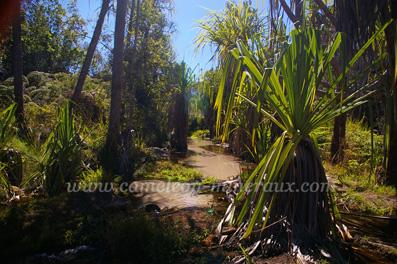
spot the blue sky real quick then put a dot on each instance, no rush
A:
(185, 17)
(187, 12)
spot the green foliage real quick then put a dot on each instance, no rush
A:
(357, 192)
(90, 177)
(367, 203)
(209, 181)
(37, 78)
(5, 185)
(51, 90)
(7, 119)
(237, 22)
(52, 37)
(246, 255)
(151, 76)
(186, 77)
(166, 170)
(63, 154)
(202, 133)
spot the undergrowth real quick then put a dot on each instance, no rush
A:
(70, 220)
(170, 171)
(358, 187)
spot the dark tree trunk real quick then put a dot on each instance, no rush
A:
(210, 117)
(179, 124)
(338, 142)
(91, 50)
(17, 66)
(132, 66)
(338, 139)
(391, 171)
(112, 155)
(391, 155)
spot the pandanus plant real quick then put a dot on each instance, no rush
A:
(179, 109)
(62, 160)
(291, 94)
(7, 119)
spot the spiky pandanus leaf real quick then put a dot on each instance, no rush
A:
(63, 153)
(7, 119)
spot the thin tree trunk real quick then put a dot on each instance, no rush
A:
(179, 124)
(130, 101)
(91, 50)
(338, 139)
(391, 108)
(17, 66)
(113, 135)
(132, 63)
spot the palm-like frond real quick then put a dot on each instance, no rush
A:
(7, 119)
(63, 153)
(237, 22)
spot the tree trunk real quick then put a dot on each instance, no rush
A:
(210, 116)
(179, 124)
(339, 130)
(91, 50)
(18, 71)
(338, 139)
(391, 107)
(130, 98)
(132, 67)
(112, 154)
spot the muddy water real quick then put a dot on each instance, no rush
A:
(211, 160)
(207, 158)
(173, 195)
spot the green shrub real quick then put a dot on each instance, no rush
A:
(200, 133)
(40, 94)
(37, 78)
(90, 176)
(40, 119)
(10, 81)
(6, 94)
(166, 170)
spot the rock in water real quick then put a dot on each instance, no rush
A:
(152, 208)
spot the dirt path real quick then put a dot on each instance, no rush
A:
(204, 156)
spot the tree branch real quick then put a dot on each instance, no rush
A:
(289, 12)
(326, 11)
